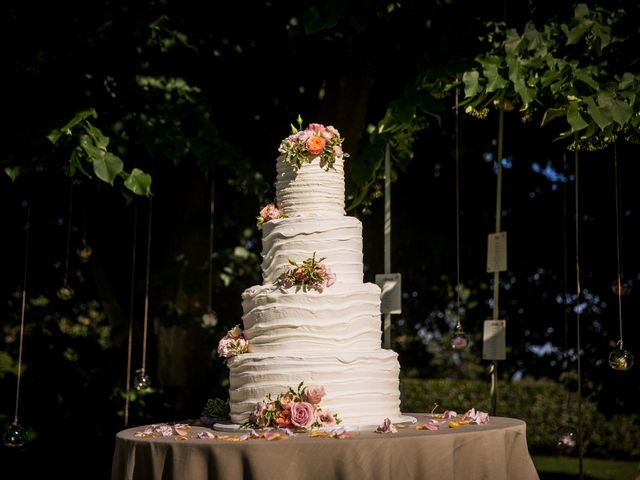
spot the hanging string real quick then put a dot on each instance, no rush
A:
(146, 290)
(459, 339)
(65, 292)
(565, 277)
(142, 381)
(23, 306)
(15, 435)
(457, 155)
(619, 358)
(578, 299)
(618, 261)
(131, 309)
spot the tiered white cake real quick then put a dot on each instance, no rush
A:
(329, 337)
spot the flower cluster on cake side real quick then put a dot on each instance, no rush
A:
(233, 343)
(314, 141)
(268, 213)
(296, 409)
(311, 273)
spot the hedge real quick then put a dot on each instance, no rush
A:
(546, 407)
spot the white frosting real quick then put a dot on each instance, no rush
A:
(344, 317)
(329, 338)
(338, 239)
(361, 387)
(311, 190)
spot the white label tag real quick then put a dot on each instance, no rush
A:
(391, 286)
(494, 337)
(497, 252)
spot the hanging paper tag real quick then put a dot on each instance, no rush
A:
(497, 252)
(494, 340)
(391, 286)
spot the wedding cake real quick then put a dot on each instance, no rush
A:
(313, 320)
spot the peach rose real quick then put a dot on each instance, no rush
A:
(315, 145)
(283, 419)
(286, 400)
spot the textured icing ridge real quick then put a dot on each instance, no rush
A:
(311, 190)
(279, 321)
(338, 239)
(361, 387)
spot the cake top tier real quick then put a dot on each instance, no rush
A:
(310, 169)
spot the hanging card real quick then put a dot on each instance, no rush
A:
(391, 286)
(497, 252)
(494, 340)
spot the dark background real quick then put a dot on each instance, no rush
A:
(251, 68)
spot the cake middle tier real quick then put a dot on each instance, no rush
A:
(338, 239)
(341, 316)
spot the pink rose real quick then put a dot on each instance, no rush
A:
(223, 347)
(314, 394)
(332, 130)
(316, 127)
(303, 414)
(337, 150)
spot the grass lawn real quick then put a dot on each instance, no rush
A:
(558, 468)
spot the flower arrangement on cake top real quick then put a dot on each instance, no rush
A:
(297, 409)
(310, 274)
(314, 141)
(233, 343)
(268, 213)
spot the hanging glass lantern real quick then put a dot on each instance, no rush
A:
(624, 288)
(620, 358)
(15, 435)
(459, 339)
(567, 437)
(84, 252)
(142, 381)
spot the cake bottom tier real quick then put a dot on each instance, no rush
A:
(361, 387)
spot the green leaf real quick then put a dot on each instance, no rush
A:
(94, 154)
(581, 10)
(495, 81)
(576, 33)
(107, 167)
(12, 172)
(621, 112)
(96, 135)
(512, 41)
(549, 77)
(626, 81)
(471, 83)
(574, 118)
(552, 113)
(138, 182)
(55, 134)
(584, 75)
(600, 115)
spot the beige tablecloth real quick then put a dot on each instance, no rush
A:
(496, 451)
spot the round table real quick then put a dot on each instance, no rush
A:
(494, 451)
